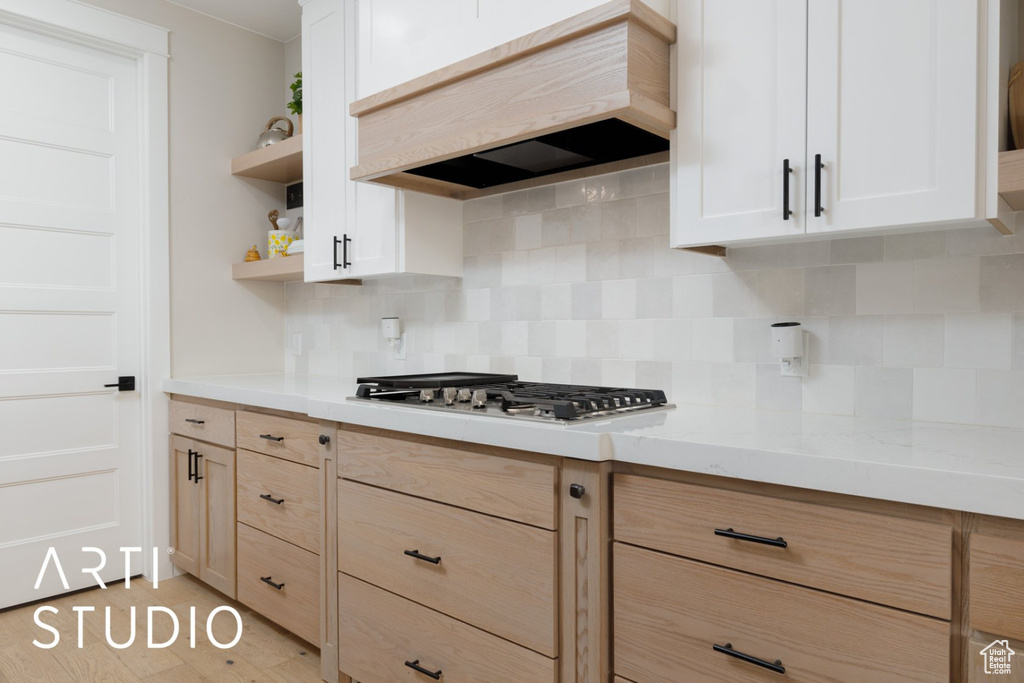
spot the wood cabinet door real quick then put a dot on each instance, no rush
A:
(185, 507)
(740, 88)
(216, 470)
(892, 101)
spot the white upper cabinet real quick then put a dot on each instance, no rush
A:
(740, 106)
(358, 230)
(885, 92)
(892, 90)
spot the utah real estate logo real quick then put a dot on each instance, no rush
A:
(997, 657)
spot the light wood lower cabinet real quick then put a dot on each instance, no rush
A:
(680, 620)
(280, 497)
(383, 638)
(203, 511)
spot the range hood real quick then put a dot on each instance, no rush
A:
(585, 96)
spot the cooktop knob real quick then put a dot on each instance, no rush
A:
(426, 395)
(449, 394)
(480, 398)
(465, 396)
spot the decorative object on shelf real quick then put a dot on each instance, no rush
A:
(295, 106)
(280, 238)
(1016, 97)
(252, 255)
(272, 217)
(271, 134)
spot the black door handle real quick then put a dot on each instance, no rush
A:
(267, 497)
(817, 186)
(267, 579)
(415, 666)
(775, 666)
(344, 241)
(425, 558)
(729, 533)
(786, 171)
(191, 472)
(123, 384)
(198, 455)
(271, 437)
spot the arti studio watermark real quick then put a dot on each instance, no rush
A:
(52, 563)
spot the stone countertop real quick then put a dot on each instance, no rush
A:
(960, 467)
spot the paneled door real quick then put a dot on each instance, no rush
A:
(892, 105)
(740, 97)
(70, 321)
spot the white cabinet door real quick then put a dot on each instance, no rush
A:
(740, 87)
(325, 143)
(892, 110)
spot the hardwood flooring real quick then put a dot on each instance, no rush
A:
(266, 652)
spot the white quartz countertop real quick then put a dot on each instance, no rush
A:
(970, 468)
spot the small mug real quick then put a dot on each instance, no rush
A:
(278, 242)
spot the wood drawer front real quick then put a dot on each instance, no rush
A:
(297, 605)
(281, 437)
(997, 587)
(669, 612)
(379, 632)
(494, 574)
(899, 562)
(206, 423)
(297, 519)
(503, 487)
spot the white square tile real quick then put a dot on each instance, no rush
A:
(914, 341)
(543, 265)
(884, 392)
(603, 260)
(979, 340)
(654, 375)
(857, 250)
(528, 231)
(856, 340)
(1001, 398)
(528, 367)
(947, 286)
(478, 304)
(515, 338)
(916, 245)
(571, 263)
(829, 389)
(652, 215)
(556, 370)
(673, 339)
(618, 299)
(515, 268)
(556, 302)
(619, 373)
(602, 339)
(541, 338)
(713, 339)
(691, 296)
(830, 290)
(780, 292)
(885, 287)
(571, 338)
(585, 223)
(692, 383)
(528, 303)
(775, 392)
(945, 395)
(618, 219)
(636, 339)
(734, 295)
(556, 227)
(571, 193)
(734, 384)
(586, 371)
(586, 300)
(654, 298)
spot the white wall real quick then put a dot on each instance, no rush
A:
(225, 82)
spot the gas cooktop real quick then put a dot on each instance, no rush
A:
(506, 396)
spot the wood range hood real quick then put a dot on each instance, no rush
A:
(585, 96)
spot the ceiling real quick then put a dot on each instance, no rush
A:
(278, 19)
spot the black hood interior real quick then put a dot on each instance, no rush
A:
(592, 144)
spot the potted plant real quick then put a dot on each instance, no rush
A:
(295, 106)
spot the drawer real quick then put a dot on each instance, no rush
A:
(997, 586)
(281, 437)
(379, 632)
(492, 573)
(296, 605)
(503, 487)
(206, 423)
(670, 612)
(297, 518)
(892, 561)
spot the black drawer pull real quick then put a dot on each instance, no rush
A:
(191, 470)
(818, 210)
(775, 666)
(271, 437)
(197, 477)
(194, 421)
(270, 499)
(729, 533)
(786, 171)
(415, 666)
(418, 556)
(266, 579)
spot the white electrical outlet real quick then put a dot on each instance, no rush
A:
(399, 348)
(297, 344)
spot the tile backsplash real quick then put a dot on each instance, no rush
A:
(575, 283)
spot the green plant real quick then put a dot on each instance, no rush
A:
(295, 106)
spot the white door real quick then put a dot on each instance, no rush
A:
(69, 312)
(740, 86)
(892, 110)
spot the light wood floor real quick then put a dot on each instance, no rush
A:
(266, 652)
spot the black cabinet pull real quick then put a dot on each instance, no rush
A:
(198, 455)
(729, 533)
(415, 666)
(266, 579)
(577, 491)
(425, 558)
(786, 171)
(191, 472)
(324, 439)
(269, 498)
(775, 666)
(195, 421)
(271, 437)
(817, 186)
(344, 241)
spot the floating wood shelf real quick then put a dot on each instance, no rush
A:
(281, 269)
(1011, 178)
(280, 162)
